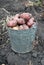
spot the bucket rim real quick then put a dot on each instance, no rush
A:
(34, 26)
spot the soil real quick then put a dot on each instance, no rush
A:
(9, 57)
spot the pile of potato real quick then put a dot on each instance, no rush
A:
(21, 21)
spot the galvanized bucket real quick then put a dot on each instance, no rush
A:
(21, 40)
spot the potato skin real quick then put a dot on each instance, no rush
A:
(24, 21)
(23, 27)
(17, 16)
(20, 21)
(30, 22)
(25, 16)
(11, 23)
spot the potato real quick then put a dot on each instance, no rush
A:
(21, 27)
(32, 18)
(14, 17)
(16, 28)
(20, 21)
(17, 16)
(25, 27)
(30, 22)
(25, 16)
(11, 23)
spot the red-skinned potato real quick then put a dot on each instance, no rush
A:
(11, 23)
(30, 22)
(21, 27)
(32, 18)
(25, 27)
(20, 21)
(25, 16)
(17, 16)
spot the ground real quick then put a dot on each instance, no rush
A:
(7, 56)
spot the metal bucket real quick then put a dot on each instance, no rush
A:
(21, 40)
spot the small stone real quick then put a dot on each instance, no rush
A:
(43, 52)
(34, 54)
(38, 59)
(42, 61)
(12, 58)
(40, 55)
(3, 52)
(39, 63)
